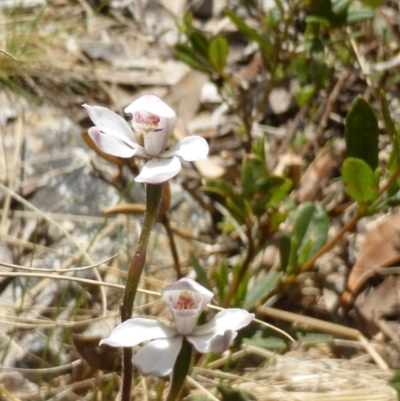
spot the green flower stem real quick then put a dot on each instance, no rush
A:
(180, 370)
(153, 201)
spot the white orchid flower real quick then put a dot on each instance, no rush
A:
(153, 122)
(186, 300)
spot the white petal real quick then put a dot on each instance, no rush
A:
(157, 170)
(111, 123)
(110, 144)
(190, 148)
(219, 332)
(158, 357)
(228, 319)
(134, 331)
(151, 104)
(189, 285)
(212, 342)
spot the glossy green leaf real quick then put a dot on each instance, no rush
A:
(310, 223)
(218, 53)
(262, 288)
(362, 132)
(359, 181)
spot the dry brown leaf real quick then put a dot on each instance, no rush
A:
(379, 249)
(382, 301)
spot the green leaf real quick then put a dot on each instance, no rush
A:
(218, 53)
(361, 132)
(272, 343)
(262, 39)
(200, 43)
(254, 176)
(355, 15)
(359, 181)
(292, 266)
(200, 272)
(241, 292)
(234, 202)
(258, 148)
(279, 188)
(304, 95)
(221, 279)
(316, 338)
(263, 287)
(310, 223)
(285, 247)
(186, 54)
(340, 6)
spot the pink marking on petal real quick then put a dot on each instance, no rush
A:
(185, 301)
(138, 117)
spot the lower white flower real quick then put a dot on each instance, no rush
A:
(186, 300)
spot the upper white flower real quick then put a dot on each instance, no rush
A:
(153, 122)
(186, 300)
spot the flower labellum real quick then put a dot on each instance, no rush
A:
(186, 300)
(153, 122)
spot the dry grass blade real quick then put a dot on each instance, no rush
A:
(36, 269)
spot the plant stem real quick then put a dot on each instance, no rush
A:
(348, 226)
(172, 244)
(180, 370)
(153, 200)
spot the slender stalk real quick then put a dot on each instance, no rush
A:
(172, 244)
(242, 271)
(153, 200)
